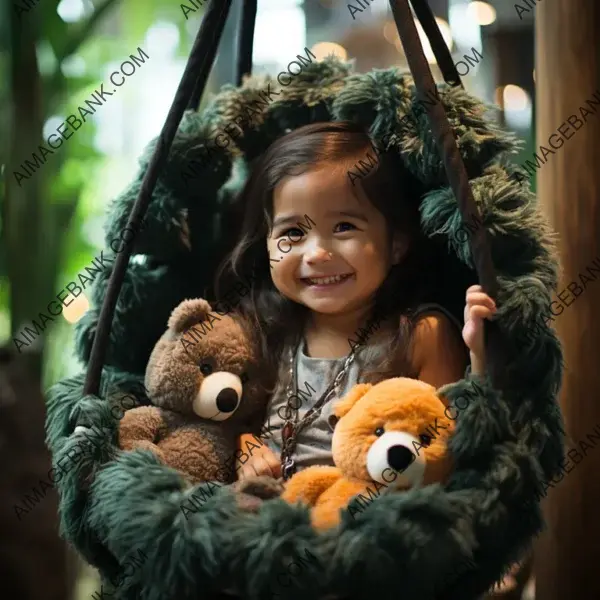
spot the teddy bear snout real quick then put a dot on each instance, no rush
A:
(219, 396)
(227, 400)
(391, 460)
(399, 457)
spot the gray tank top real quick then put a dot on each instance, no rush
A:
(313, 377)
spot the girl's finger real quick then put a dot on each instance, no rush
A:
(480, 312)
(473, 328)
(474, 288)
(470, 307)
(274, 465)
(269, 470)
(261, 467)
(477, 313)
(480, 298)
(247, 471)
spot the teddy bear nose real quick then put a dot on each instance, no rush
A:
(399, 457)
(227, 400)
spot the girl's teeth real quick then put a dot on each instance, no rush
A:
(326, 280)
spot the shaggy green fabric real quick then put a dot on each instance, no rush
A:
(114, 504)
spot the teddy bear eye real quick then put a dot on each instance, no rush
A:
(206, 368)
(379, 431)
(425, 439)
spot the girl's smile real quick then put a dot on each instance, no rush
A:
(327, 282)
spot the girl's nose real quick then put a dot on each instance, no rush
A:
(318, 255)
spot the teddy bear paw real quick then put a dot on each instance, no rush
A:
(146, 445)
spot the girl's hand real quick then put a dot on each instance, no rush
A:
(479, 306)
(262, 461)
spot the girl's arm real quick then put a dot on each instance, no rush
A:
(477, 364)
(439, 355)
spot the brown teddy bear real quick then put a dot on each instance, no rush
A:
(202, 380)
(390, 435)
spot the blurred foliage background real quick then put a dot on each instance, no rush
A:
(55, 54)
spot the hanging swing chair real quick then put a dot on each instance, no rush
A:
(117, 506)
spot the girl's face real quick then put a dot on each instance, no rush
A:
(329, 249)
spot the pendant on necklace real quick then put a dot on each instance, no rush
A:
(287, 432)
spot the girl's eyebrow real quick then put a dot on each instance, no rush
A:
(285, 220)
(295, 219)
(348, 213)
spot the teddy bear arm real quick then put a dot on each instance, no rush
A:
(308, 485)
(141, 424)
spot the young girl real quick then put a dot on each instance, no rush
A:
(342, 283)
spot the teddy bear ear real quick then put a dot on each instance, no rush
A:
(188, 313)
(351, 398)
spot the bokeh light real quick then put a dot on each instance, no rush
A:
(446, 35)
(324, 49)
(482, 12)
(77, 307)
(515, 98)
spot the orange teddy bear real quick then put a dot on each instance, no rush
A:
(394, 432)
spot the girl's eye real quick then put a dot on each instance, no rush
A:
(379, 431)
(295, 231)
(206, 368)
(344, 226)
(425, 440)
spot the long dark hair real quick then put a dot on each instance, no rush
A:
(278, 322)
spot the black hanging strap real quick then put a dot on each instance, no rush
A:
(436, 40)
(214, 35)
(196, 71)
(456, 173)
(246, 41)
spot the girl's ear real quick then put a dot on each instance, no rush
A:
(351, 398)
(399, 247)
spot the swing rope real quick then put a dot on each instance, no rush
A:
(438, 45)
(453, 163)
(246, 41)
(210, 51)
(190, 91)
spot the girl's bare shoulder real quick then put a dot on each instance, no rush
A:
(437, 351)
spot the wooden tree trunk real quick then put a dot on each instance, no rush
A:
(33, 559)
(567, 556)
(33, 226)
(22, 208)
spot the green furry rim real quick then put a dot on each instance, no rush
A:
(117, 505)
